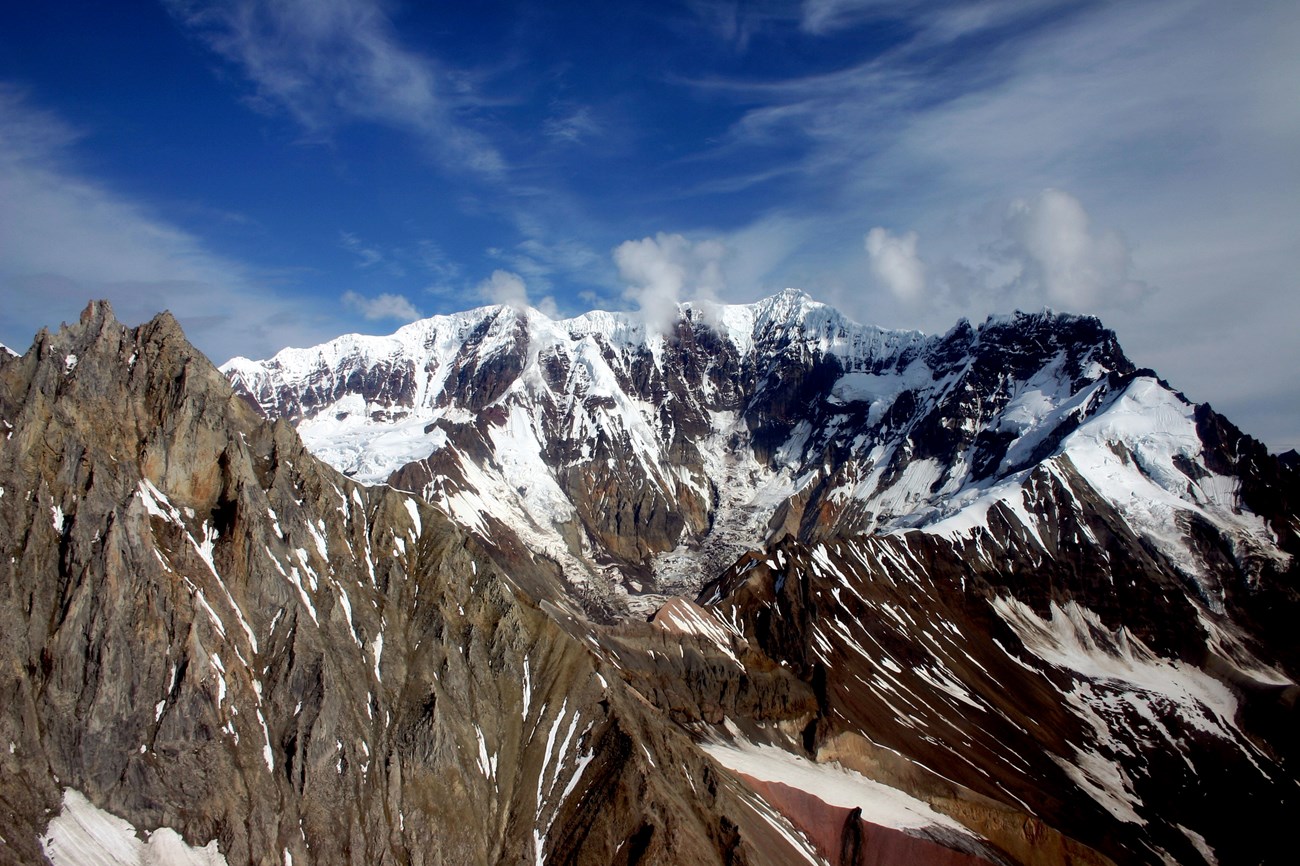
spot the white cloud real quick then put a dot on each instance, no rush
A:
(896, 264)
(382, 307)
(666, 269)
(330, 62)
(1040, 251)
(1064, 260)
(58, 222)
(504, 287)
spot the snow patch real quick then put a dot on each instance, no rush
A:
(82, 834)
(377, 651)
(1198, 842)
(414, 512)
(833, 784)
(487, 762)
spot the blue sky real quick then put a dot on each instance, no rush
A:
(280, 173)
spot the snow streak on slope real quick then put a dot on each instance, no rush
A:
(1011, 663)
(1122, 687)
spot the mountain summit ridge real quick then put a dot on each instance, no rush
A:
(737, 422)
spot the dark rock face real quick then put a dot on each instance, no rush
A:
(1086, 689)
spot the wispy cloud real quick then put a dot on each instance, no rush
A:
(327, 64)
(737, 22)
(544, 260)
(66, 238)
(332, 62)
(571, 124)
(367, 256)
(419, 258)
(931, 21)
(826, 16)
(1095, 91)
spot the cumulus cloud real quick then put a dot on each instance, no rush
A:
(1043, 250)
(506, 287)
(329, 62)
(1064, 259)
(896, 265)
(663, 270)
(382, 307)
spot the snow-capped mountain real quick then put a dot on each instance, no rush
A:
(989, 597)
(1120, 560)
(652, 458)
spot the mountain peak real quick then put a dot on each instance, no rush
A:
(788, 306)
(790, 297)
(98, 311)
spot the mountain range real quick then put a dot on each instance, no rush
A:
(752, 584)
